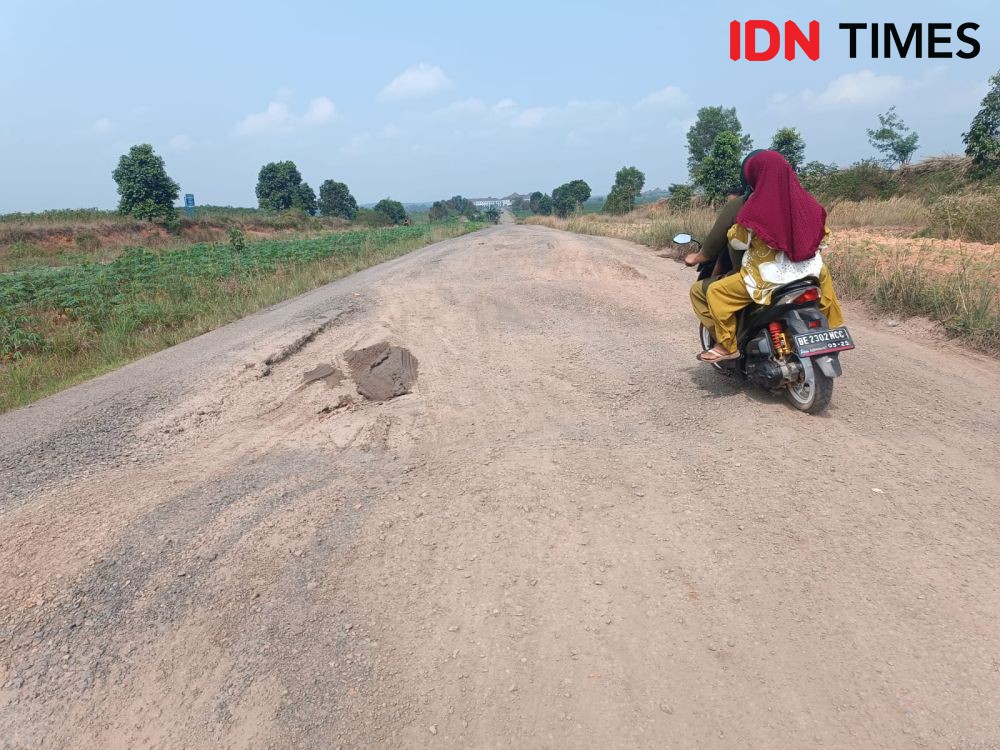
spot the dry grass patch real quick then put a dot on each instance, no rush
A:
(895, 212)
(876, 254)
(654, 225)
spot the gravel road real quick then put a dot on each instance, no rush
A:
(569, 534)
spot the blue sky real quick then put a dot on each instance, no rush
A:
(423, 101)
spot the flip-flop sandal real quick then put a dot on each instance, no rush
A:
(710, 356)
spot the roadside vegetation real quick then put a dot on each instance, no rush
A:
(84, 291)
(59, 326)
(909, 238)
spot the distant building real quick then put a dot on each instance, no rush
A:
(491, 202)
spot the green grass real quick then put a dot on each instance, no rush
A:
(60, 326)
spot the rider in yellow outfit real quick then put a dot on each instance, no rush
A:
(790, 217)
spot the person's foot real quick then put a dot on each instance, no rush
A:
(717, 354)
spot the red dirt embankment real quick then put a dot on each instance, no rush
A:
(105, 236)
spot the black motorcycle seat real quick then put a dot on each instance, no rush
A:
(799, 285)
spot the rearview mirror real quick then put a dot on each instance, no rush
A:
(682, 239)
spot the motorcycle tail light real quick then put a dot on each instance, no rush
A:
(809, 295)
(814, 324)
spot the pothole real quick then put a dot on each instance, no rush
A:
(382, 371)
(329, 374)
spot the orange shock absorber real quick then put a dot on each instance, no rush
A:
(779, 339)
(775, 330)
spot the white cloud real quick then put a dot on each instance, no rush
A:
(104, 126)
(180, 142)
(589, 116)
(278, 118)
(462, 108)
(320, 110)
(669, 97)
(359, 145)
(275, 117)
(849, 90)
(531, 117)
(416, 81)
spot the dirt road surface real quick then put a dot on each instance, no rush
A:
(569, 534)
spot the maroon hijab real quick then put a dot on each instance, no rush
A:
(779, 210)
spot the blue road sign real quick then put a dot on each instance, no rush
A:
(189, 205)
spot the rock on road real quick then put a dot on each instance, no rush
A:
(569, 535)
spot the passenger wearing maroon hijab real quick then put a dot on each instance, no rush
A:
(779, 230)
(779, 210)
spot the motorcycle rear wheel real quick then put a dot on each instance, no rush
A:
(811, 394)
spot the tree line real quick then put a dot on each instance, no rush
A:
(147, 192)
(716, 147)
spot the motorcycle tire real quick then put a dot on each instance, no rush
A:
(811, 395)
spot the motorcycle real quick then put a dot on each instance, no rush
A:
(786, 346)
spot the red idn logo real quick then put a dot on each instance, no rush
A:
(794, 36)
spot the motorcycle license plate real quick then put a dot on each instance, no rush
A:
(822, 342)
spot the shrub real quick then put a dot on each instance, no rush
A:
(392, 210)
(680, 195)
(970, 216)
(237, 240)
(17, 336)
(369, 218)
(862, 181)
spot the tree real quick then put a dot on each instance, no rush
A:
(461, 206)
(562, 202)
(492, 215)
(336, 200)
(146, 191)
(982, 142)
(630, 180)
(680, 195)
(569, 196)
(305, 199)
(534, 201)
(789, 143)
(719, 172)
(278, 186)
(628, 185)
(617, 202)
(701, 136)
(890, 139)
(438, 211)
(392, 210)
(814, 174)
(518, 202)
(545, 205)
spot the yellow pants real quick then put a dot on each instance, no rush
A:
(718, 307)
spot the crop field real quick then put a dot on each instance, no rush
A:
(59, 325)
(64, 237)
